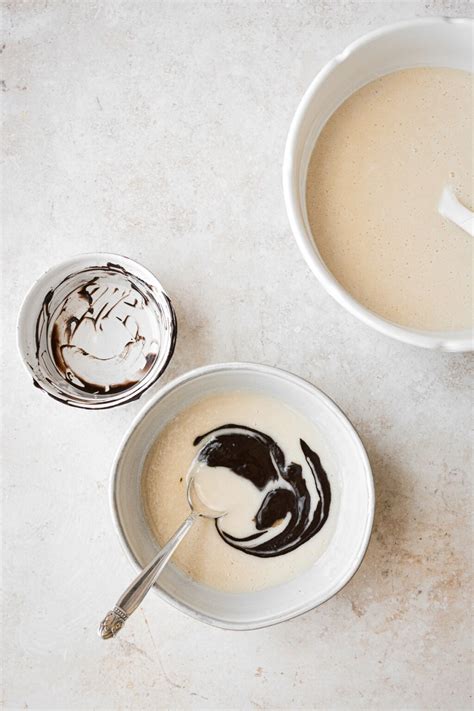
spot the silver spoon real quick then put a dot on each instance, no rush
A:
(136, 591)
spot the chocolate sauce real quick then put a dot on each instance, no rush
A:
(286, 493)
(102, 336)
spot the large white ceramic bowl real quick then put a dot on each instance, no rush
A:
(441, 42)
(244, 611)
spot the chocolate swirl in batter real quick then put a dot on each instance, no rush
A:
(295, 505)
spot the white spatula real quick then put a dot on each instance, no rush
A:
(450, 207)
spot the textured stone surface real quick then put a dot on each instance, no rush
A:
(157, 130)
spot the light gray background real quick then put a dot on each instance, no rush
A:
(157, 130)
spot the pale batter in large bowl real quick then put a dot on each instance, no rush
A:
(374, 183)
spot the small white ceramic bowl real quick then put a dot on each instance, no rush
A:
(439, 42)
(114, 320)
(245, 611)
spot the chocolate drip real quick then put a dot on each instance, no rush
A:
(256, 457)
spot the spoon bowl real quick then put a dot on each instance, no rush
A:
(196, 504)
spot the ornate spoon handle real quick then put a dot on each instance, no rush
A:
(134, 594)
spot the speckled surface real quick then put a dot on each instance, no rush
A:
(157, 130)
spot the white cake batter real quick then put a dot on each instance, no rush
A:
(204, 554)
(374, 182)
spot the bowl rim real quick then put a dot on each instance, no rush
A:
(73, 260)
(259, 369)
(455, 341)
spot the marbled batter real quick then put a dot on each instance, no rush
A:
(276, 479)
